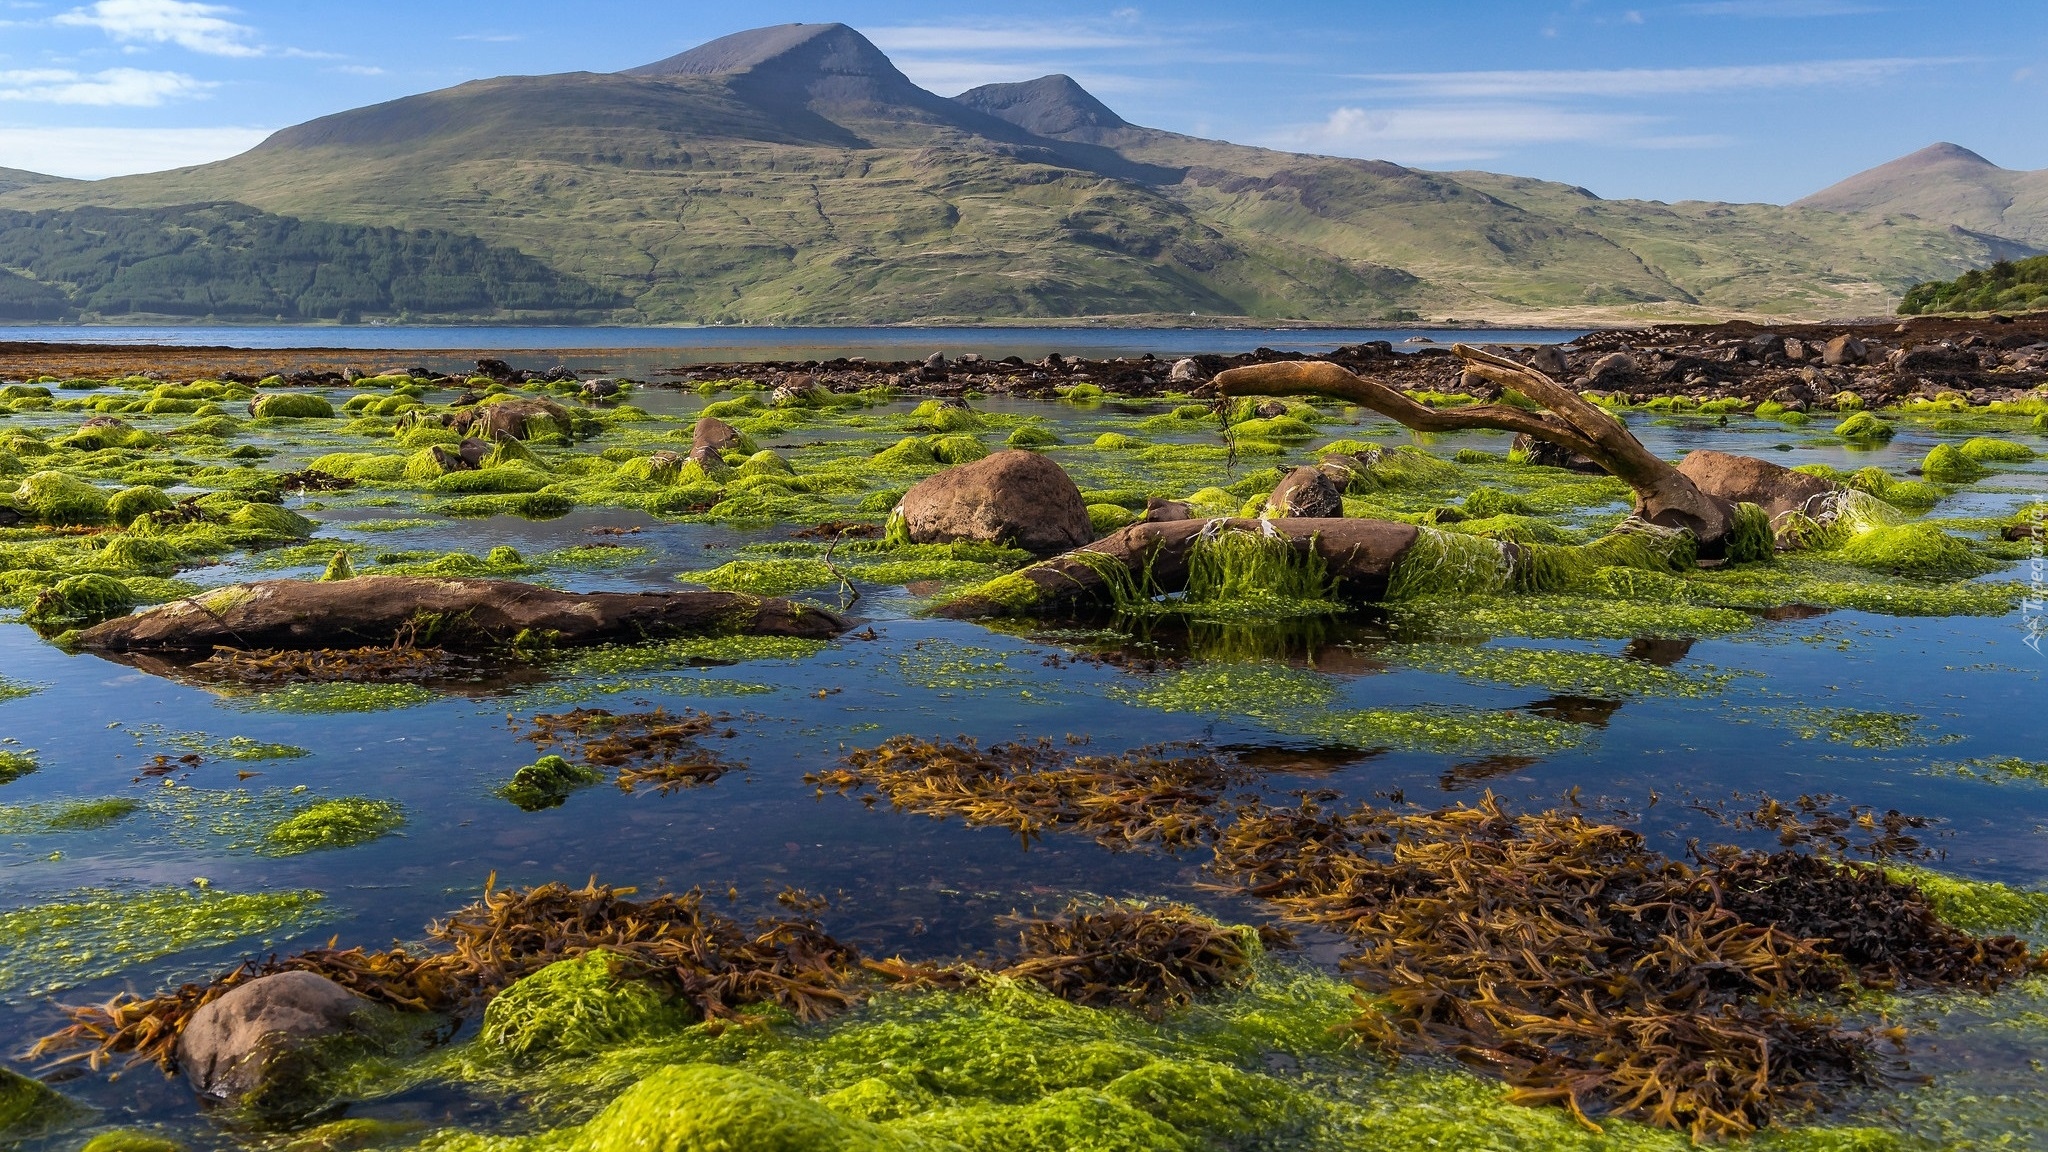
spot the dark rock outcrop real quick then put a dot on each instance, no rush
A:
(457, 615)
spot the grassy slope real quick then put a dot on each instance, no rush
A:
(702, 207)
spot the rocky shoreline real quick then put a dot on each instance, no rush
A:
(1979, 360)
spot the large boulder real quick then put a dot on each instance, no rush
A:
(255, 1043)
(712, 438)
(1306, 492)
(1012, 497)
(1747, 480)
(523, 419)
(458, 615)
(1844, 351)
(1612, 369)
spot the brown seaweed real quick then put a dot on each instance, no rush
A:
(1139, 798)
(658, 748)
(1590, 971)
(1131, 954)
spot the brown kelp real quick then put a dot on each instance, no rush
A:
(1139, 798)
(1591, 971)
(1131, 954)
(707, 960)
(658, 748)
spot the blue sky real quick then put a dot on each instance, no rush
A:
(1663, 99)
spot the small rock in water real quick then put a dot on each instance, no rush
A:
(243, 1044)
(1184, 372)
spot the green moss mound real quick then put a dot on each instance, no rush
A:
(1919, 550)
(31, 1108)
(128, 1140)
(15, 765)
(1996, 451)
(292, 406)
(1031, 436)
(88, 597)
(140, 500)
(1947, 464)
(547, 783)
(333, 824)
(1107, 518)
(59, 499)
(577, 1008)
(1863, 428)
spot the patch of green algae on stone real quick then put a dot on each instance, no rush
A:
(342, 823)
(1003, 1067)
(1300, 703)
(313, 699)
(1559, 670)
(99, 932)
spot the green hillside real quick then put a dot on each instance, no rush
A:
(793, 175)
(226, 261)
(2009, 285)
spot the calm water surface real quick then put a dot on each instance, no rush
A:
(921, 887)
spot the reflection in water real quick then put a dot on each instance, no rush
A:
(1586, 710)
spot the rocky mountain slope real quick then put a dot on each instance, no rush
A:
(1948, 184)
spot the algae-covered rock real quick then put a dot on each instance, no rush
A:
(129, 1140)
(140, 500)
(272, 522)
(1864, 428)
(339, 567)
(705, 1107)
(1947, 464)
(1107, 518)
(576, 1008)
(1914, 550)
(258, 1044)
(291, 406)
(57, 498)
(85, 597)
(1031, 436)
(31, 1108)
(547, 783)
(1996, 451)
(1306, 492)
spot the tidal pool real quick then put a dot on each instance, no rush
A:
(157, 829)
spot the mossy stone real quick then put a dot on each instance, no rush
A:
(32, 1108)
(58, 498)
(128, 1140)
(292, 406)
(140, 500)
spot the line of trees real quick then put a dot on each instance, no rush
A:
(228, 260)
(2007, 286)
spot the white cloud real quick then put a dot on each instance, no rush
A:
(1781, 9)
(197, 27)
(123, 87)
(1449, 134)
(1646, 81)
(357, 70)
(95, 153)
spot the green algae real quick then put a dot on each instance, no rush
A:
(1106, 518)
(547, 783)
(342, 823)
(1561, 671)
(1858, 729)
(90, 596)
(315, 699)
(1299, 703)
(234, 747)
(1996, 769)
(577, 1008)
(292, 406)
(124, 506)
(1978, 906)
(14, 765)
(57, 498)
(99, 932)
(1864, 428)
(1947, 464)
(1994, 451)
(131, 1140)
(65, 815)
(1917, 550)
(1566, 617)
(1031, 436)
(30, 1108)
(763, 577)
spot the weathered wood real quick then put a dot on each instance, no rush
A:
(1664, 496)
(1359, 554)
(457, 615)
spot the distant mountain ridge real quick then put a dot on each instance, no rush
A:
(1948, 184)
(794, 175)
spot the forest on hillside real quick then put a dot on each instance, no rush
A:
(2009, 286)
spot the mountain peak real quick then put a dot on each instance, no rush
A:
(1943, 152)
(1054, 106)
(783, 48)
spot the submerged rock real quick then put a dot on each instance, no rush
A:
(252, 1043)
(459, 615)
(1306, 492)
(1012, 497)
(31, 1108)
(1531, 450)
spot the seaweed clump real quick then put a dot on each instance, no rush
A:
(658, 748)
(1126, 801)
(1594, 973)
(1132, 955)
(711, 965)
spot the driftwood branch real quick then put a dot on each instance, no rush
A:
(1664, 496)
